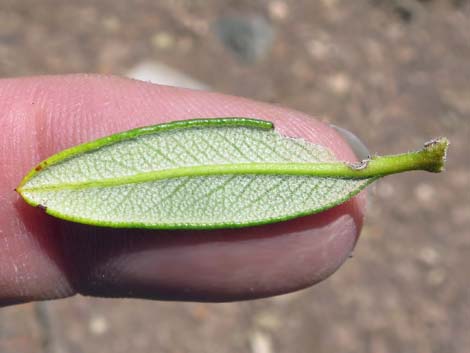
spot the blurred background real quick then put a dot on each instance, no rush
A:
(394, 72)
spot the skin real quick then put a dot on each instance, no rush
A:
(45, 258)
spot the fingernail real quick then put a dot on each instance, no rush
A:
(358, 147)
(360, 150)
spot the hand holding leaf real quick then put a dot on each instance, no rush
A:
(43, 258)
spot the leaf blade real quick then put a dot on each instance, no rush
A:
(196, 174)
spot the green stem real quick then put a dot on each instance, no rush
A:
(431, 158)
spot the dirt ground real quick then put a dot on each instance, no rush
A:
(395, 72)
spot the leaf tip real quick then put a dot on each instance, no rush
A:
(19, 188)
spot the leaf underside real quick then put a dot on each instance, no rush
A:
(142, 178)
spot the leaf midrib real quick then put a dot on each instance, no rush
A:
(317, 169)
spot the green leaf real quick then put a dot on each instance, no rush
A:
(204, 174)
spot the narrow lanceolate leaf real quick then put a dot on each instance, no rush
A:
(213, 173)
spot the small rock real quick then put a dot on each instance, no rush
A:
(278, 10)
(98, 325)
(424, 193)
(249, 38)
(156, 72)
(162, 40)
(339, 83)
(429, 256)
(260, 343)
